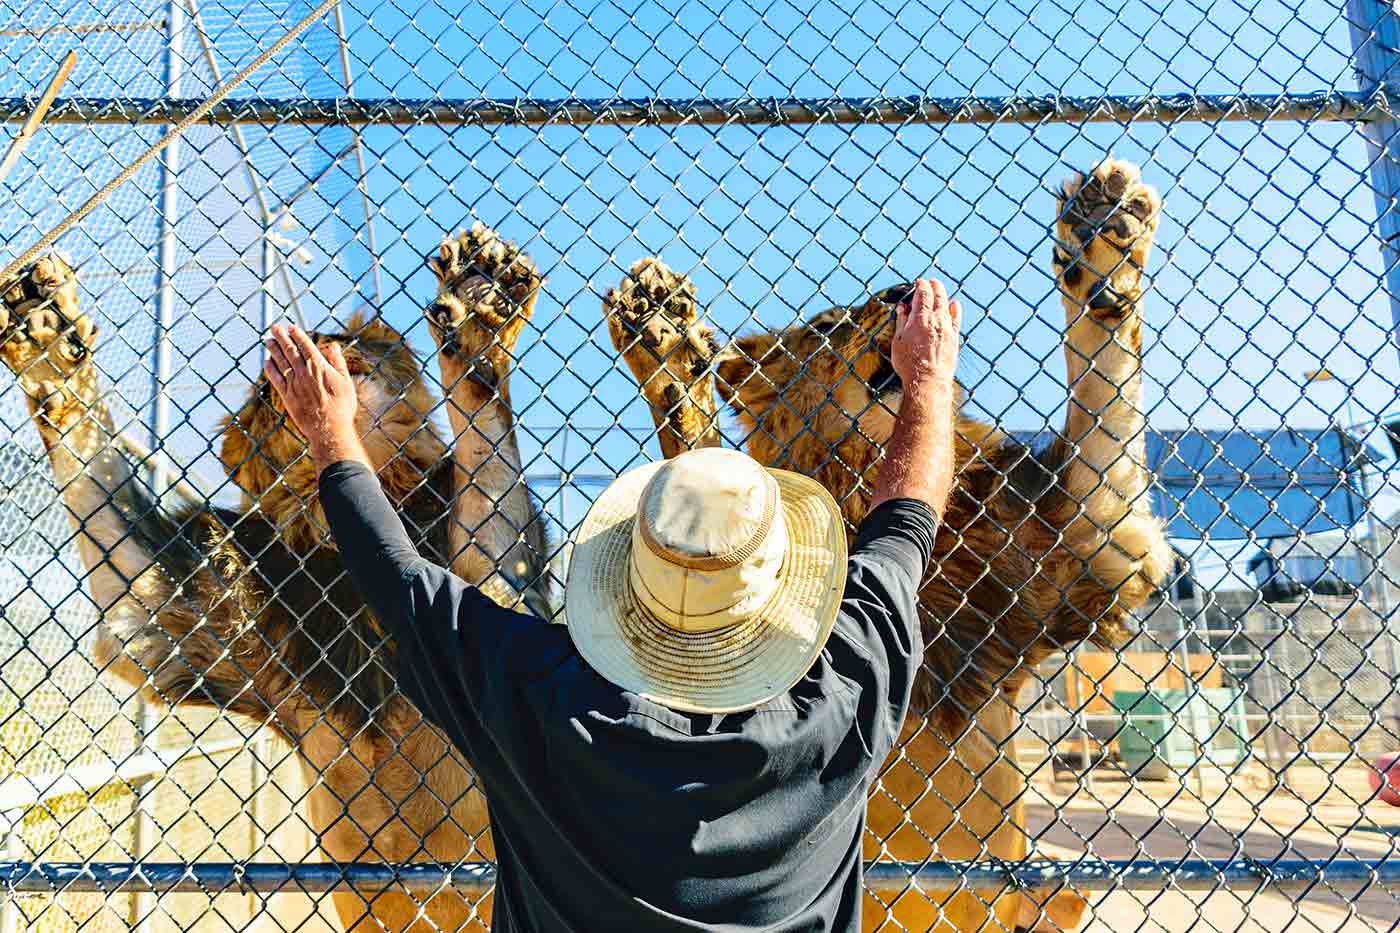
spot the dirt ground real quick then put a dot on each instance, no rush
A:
(1322, 817)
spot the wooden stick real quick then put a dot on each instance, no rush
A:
(12, 271)
(41, 109)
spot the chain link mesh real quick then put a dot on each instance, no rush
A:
(1163, 661)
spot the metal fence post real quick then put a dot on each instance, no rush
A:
(1375, 40)
(146, 829)
(167, 259)
(12, 844)
(361, 179)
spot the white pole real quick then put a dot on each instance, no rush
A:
(167, 252)
(12, 826)
(146, 829)
(256, 183)
(360, 182)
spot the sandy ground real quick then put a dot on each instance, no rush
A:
(1322, 818)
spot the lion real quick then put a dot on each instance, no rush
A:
(249, 610)
(1039, 550)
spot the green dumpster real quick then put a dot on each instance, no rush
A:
(1161, 731)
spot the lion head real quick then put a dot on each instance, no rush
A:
(266, 456)
(820, 397)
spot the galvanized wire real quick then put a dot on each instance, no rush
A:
(785, 160)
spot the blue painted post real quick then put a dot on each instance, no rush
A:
(1375, 41)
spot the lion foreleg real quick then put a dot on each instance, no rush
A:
(486, 293)
(655, 326)
(1105, 229)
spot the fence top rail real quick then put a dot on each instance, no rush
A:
(1294, 875)
(1337, 106)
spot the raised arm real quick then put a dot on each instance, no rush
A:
(319, 394)
(449, 637)
(919, 458)
(880, 609)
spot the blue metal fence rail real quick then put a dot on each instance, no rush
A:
(1372, 106)
(477, 878)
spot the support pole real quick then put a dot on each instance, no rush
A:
(361, 181)
(146, 829)
(12, 843)
(1375, 42)
(1295, 877)
(256, 183)
(1156, 109)
(167, 258)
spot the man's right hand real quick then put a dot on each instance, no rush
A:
(318, 392)
(924, 351)
(919, 456)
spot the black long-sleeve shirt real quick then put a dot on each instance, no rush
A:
(611, 812)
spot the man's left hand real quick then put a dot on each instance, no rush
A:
(319, 394)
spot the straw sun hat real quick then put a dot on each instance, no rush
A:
(705, 582)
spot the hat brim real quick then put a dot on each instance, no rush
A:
(728, 670)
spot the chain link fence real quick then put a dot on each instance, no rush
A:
(1162, 654)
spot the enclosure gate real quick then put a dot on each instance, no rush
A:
(789, 159)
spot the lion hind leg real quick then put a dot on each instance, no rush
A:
(656, 327)
(1107, 222)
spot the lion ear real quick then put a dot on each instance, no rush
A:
(368, 326)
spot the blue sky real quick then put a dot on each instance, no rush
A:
(1267, 262)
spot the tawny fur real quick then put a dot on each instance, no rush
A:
(1039, 550)
(189, 609)
(250, 610)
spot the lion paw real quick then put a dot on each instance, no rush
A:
(44, 337)
(1106, 224)
(486, 292)
(655, 325)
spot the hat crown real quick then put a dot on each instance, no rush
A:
(708, 509)
(705, 640)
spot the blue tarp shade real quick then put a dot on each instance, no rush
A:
(1270, 483)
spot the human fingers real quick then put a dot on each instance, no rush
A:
(273, 369)
(902, 311)
(282, 340)
(955, 312)
(922, 305)
(336, 355)
(940, 295)
(277, 361)
(310, 353)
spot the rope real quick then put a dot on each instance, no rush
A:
(13, 270)
(31, 125)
